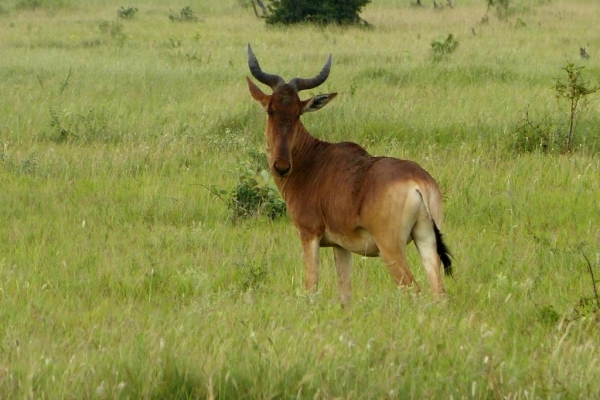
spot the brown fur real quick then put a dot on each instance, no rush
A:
(339, 196)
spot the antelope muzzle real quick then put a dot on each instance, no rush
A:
(282, 166)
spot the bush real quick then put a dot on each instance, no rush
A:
(501, 7)
(545, 136)
(255, 193)
(550, 135)
(113, 32)
(441, 49)
(574, 90)
(41, 4)
(126, 13)
(29, 4)
(185, 15)
(317, 11)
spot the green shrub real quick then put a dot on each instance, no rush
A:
(549, 135)
(26, 166)
(543, 136)
(500, 6)
(574, 90)
(317, 11)
(29, 4)
(185, 15)
(442, 48)
(548, 315)
(252, 275)
(255, 194)
(41, 4)
(88, 127)
(126, 13)
(113, 31)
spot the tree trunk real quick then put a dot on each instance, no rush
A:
(262, 7)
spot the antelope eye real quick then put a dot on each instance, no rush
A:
(270, 112)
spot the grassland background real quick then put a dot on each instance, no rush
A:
(121, 276)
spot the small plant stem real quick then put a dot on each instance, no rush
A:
(65, 83)
(215, 193)
(590, 269)
(572, 122)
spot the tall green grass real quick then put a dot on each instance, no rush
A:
(121, 276)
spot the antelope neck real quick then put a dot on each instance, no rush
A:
(305, 155)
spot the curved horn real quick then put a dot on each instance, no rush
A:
(303, 84)
(273, 81)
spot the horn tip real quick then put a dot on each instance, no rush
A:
(252, 61)
(250, 52)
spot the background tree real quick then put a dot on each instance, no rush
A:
(317, 11)
(261, 5)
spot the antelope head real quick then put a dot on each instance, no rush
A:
(284, 108)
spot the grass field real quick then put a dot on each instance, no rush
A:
(122, 276)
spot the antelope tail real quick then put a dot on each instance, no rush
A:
(443, 251)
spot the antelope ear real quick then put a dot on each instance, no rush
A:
(317, 102)
(258, 94)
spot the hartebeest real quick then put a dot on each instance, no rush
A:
(340, 196)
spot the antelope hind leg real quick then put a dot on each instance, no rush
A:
(425, 241)
(394, 257)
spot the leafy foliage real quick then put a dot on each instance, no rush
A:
(113, 32)
(87, 127)
(252, 275)
(549, 134)
(574, 90)
(544, 136)
(186, 14)
(127, 13)
(441, 49)
(29, 4)
(500, 6)
(317, 11)
(40, 4)
(589, 306)
(255, 193)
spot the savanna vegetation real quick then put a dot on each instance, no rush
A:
(128, 270)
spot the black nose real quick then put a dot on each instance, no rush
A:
(281, 171)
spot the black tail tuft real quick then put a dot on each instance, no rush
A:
(443, 251)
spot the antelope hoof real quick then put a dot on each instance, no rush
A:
(345, 302)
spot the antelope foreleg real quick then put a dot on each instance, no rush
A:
(310, 249)
(343, 265)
